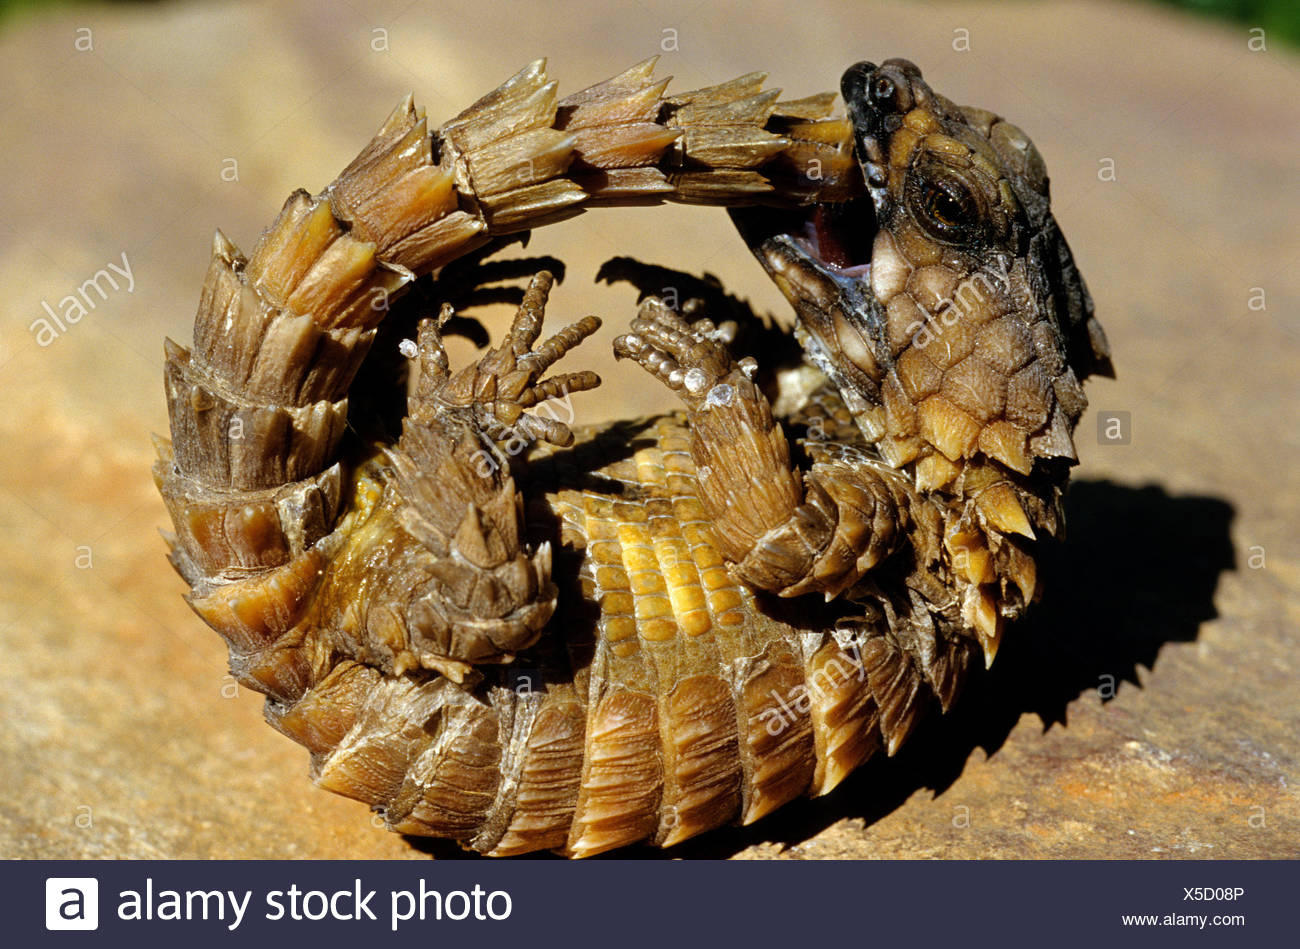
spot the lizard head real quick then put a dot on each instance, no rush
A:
(944, 303)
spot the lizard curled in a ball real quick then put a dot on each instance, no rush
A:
(522, 636)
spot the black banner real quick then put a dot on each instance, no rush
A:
(665, 904)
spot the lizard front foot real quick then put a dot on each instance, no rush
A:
(783, 530)
(692, 359)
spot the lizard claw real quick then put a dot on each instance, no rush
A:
(692, 359)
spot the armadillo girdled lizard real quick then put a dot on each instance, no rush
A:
(521, 636)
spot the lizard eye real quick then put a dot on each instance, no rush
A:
(946, 208)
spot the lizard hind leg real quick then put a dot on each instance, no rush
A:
(505, 381)
(447, 576)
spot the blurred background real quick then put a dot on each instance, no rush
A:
(1148, 710)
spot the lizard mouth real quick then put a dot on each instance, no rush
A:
(834, 240)
(839, 236)
(819, 257)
